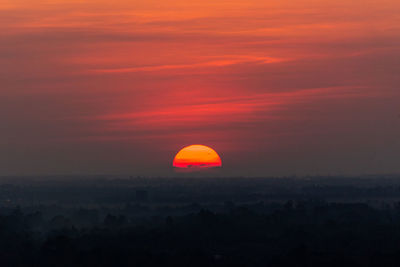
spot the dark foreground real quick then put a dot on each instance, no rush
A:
(303, 231)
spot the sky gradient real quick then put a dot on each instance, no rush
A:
(297, 87)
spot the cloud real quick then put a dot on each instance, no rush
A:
(214, 63)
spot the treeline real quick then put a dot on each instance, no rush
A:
(305, 233)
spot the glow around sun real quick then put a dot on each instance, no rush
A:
(197, 157)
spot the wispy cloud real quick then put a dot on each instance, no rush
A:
(257, 109)
(213, 63)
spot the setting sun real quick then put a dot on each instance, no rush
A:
(197, 156)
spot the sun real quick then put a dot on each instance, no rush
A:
(197, 157)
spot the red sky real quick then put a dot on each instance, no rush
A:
(300, 87)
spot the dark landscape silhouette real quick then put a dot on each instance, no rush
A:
(320, 221)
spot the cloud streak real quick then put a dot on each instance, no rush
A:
(214, 63)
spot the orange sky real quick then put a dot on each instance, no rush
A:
(276, 87)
